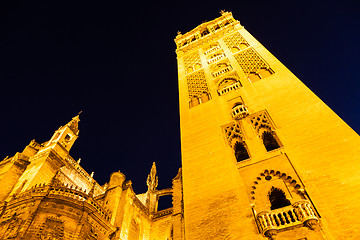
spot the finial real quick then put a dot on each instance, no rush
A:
(152, 179)
(222, 12)
(74, 124)
(178, 33)
(78, 161)
(92, 174)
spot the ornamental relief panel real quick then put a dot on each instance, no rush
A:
(13, 227)
(53, 228)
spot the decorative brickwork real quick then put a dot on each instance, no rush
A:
(233, 131)
(252, 64)
(260, 121)
(197, 88)
(192, 62)
(236, 42)
(212, 48)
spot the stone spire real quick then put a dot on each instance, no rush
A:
(152, 179)
(74, 124)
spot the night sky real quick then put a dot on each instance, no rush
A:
(116, 62)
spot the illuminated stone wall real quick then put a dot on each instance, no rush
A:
(46, 194)
(262, 157)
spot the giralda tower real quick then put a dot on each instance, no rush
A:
(262, 156)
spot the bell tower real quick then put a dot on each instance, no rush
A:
(47, 158)
(262, 156)
(65, 136)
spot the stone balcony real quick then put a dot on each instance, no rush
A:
(229, 88)
(239, 112)
(216, 58)
(297, 214)
(224, 70)
(212, 49)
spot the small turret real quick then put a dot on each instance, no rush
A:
(113, 194)
(66, 135)
(116, 179)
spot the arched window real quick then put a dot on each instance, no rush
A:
(235, 49)
(277, 198)
(220, 65)
(241, 152)
(194, 101)
(204, 97)
(227, 82)
(242, 46)
(264, 72)
(253, 77)
(269, 141)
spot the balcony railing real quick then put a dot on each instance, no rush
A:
(239, 112)
(212, 49)
(224, 70)
(216, 58)
(229, 88)
(299, 213)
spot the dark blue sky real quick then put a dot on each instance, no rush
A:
(116, 62)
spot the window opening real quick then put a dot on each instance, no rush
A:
(241, 152)
(164, 202)
(277, 198)
(269, 141)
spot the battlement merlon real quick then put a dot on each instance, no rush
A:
(204, 30)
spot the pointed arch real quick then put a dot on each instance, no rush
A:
(228, 84)
(264, 127)
(277, 198)
(269, 140)
(241, 152)
(268, 175)
(235, 140)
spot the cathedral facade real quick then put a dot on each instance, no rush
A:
(262, 158)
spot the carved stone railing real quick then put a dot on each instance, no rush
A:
(212, 49)
(79, 168)
(300, 213)
(68, 192)
(226, 69)
(240, 111)
(229, 88)
(55, 191)
(162, 213)
(83, 173)
(216, 58)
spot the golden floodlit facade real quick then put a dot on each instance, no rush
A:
(262, 158)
